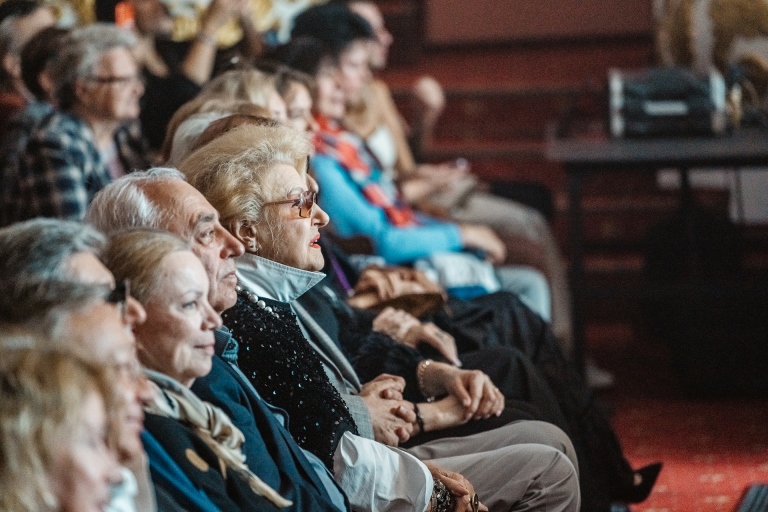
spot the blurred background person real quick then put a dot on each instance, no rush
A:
(174, 72)
(54, 429)
(35, 56)
(20, 20)
(76, 150)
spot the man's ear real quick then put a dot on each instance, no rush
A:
(245, 231)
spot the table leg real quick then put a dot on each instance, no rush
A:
(577, 267)
(688, 215)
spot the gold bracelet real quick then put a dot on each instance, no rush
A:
(420, 371)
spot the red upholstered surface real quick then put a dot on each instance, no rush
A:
(712, 450)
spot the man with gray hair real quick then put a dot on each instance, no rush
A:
(75, 151)
(373, 476)
(161, 199)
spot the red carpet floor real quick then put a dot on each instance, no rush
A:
(712, 450)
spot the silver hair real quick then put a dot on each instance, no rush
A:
(79, 55)
(188, 132)
(45, 307)
(124, 204)
(40, 248)
(34, 256)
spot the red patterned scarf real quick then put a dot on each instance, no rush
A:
(350, 152)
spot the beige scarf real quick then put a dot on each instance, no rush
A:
(212, 425)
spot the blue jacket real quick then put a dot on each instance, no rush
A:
(351, 214)
(227, 490)
(271, 453)
(169, 477)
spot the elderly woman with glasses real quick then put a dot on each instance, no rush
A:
(82, 146)
(176, 345)
(255, 176)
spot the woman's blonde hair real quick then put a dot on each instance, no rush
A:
(221, 126)
(41, 409)
(222, 94)
(242, 84)
(233, 171)
(136, 255)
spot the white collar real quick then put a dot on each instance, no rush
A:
(273, 280)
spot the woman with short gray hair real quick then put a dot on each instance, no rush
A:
(80, 148)
(80, 56)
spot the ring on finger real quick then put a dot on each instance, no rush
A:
(474, 503)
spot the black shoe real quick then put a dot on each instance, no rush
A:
(642, 485)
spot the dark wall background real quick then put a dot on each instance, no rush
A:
(486, 21)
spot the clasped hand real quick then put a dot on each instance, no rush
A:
(391, 416)
(461, 488)
(409, 330)
(475, 391)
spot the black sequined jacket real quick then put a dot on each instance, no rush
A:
(287, 372)
(371, 353)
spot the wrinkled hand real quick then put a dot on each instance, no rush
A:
(475, 391)
(391, 417)
(385, 386)
(391, 282)
(432, 335)
(461, 488)
(395, 323)
(482, 237)
(409, 330)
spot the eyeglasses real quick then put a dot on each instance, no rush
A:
(305, 202)
(121, 80)
(119, 296)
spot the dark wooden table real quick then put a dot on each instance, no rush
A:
(588, 150)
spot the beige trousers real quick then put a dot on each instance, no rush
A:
(526, 465)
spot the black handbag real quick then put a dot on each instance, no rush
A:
(666, 101)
